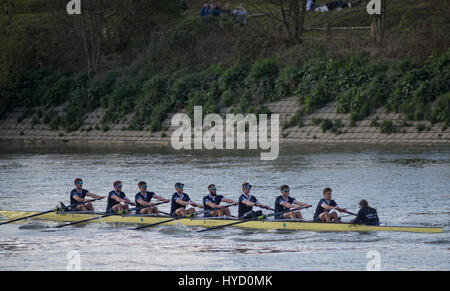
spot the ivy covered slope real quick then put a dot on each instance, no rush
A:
(182, 60)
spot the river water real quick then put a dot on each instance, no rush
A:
(405, 185)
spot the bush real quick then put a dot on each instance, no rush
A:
(326, 124)
(286, 83)
(387, 127)
(261, 80)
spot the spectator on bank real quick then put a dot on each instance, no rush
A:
(215, 10)
(241, 14)
(227, 10)
(206, 9)
(310, 5)
(339, 5)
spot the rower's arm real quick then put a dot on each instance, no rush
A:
(212, 205)
(161, 198)
(144, 203)
(327, 207)
(248, 203)
(95, 196)
(182, 202)
(79, 199)
(195, 204)
(302, 204)
(230, 201)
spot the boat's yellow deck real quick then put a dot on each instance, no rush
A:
(210, 222)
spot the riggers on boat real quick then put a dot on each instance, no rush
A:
(279, 224)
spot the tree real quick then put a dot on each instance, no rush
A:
(288, 14)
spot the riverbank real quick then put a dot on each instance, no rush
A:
(313, 131)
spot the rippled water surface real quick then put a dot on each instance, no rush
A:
(407, 186)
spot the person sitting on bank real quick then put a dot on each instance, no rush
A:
(144, 197)
(206, 9)
(78, 195)
(117, 200)
(310, 5)
(327, 209)
(212, 201)
(227, 10)
(366, 215)
(241, 14)
(284, 202)
(215, 10)
(339, 5)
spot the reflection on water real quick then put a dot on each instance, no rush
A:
(406, 185)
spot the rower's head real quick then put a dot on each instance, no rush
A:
(363, 204)
(78, 183)
(327, 193)
(118, 186)
(285, 190)
(212, 189)
(246, 188)
(179, 187)
(142, 186)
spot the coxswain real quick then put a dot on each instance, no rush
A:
(366, 215)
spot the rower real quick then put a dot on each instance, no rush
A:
(78, 195)
(326, 210)
(116, 198)
(246, 203)
(284, 203)
(366, 215)
(179, 202)
(144, 197)
(212, 200)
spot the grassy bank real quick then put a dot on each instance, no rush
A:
(190, 61)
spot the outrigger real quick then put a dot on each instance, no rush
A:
(262, 223)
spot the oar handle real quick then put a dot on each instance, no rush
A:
(351, 213)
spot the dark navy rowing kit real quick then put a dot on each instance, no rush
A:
(73, 201)
(281, 208)
(368, 216)
(147, 197)
(320, 209)
(246, 212)
(112, 202)
(174, 206)
(216, 199)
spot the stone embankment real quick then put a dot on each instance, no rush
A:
(363, 133)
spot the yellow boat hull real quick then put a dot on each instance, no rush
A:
(210, 222)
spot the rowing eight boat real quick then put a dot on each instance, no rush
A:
(211, 222)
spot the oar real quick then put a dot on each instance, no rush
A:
(351, 213)
(106, 215)
(49, 211)
(261, 217)
(180, 217)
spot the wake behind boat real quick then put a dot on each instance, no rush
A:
(269, 224)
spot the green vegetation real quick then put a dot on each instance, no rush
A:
(154, 66)
(387, 127)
